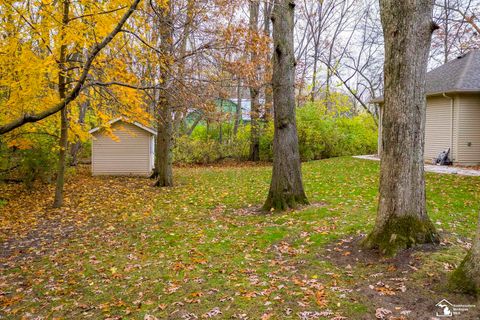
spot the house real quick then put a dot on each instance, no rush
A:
(226, 108)
(126, 149)
(230, 106)
(453, 110)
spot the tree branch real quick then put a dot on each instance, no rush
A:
(26, 118)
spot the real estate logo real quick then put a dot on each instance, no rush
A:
(445, 309)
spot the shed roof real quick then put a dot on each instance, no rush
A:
(459, 75)
(137, 124)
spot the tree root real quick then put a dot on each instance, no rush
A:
(400, 233)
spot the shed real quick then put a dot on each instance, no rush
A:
(128, 150)
(453, 110)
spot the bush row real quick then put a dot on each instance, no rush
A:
(321, 135)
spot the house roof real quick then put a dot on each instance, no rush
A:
(137, 124)
(459, 75)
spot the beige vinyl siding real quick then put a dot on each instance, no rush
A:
(469, 129)
(456, 114)
(438, 127)
(129, 155)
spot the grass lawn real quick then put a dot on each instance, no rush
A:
(122, 249)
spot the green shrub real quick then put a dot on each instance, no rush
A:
(326, 135)
(203, 148)
(35, 161)
(321, 135)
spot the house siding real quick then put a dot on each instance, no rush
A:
(129, 155)
(456, 114)
(438, 127)
(469, 130)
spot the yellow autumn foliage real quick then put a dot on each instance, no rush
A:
(33, 33)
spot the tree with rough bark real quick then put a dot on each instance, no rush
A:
(254, 7)
(163, 111)
(466, 278)
(402, 219)
(175, 56)
(62, 91)
(286, 187)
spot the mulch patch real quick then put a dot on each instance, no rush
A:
(393, 293)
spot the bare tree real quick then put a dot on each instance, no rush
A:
(459, 30)
(360, 62)
(254, 7)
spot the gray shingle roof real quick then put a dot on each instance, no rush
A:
(459, 75)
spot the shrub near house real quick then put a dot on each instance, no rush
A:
(321, 135)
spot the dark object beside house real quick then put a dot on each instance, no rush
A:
(443, 158)
(453, 110)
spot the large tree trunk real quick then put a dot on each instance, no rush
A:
(286, 188)
(164, 112)
(466, 278)
(62, 89)
(163, 150)
(62, 158)
(254, 90)
(402, 219)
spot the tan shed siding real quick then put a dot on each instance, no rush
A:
(469, 129)
(130, 155)
(438, 126)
